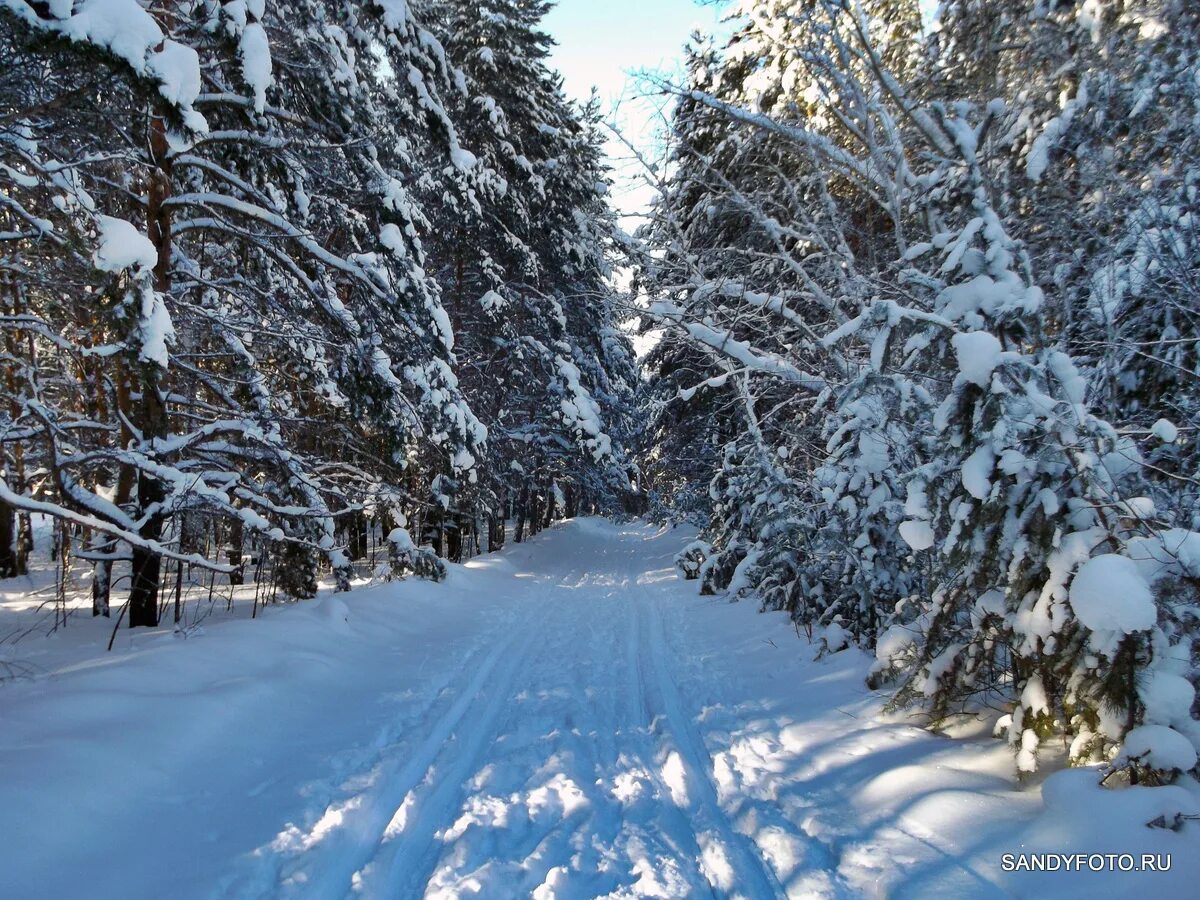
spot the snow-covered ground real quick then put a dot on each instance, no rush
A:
(562, 719)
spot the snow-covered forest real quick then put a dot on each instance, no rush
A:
(276, 274)
(319, 312)
(930, 369)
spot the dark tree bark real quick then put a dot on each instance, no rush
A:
(147, 564)
(8, 540)
(522, 502)
(237, 576)
(358, 535)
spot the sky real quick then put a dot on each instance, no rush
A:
(600, 40)
(604, 43)
(601, 44)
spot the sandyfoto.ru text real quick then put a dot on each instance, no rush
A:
(1085, 862)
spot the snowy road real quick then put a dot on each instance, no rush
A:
(565, 719)
(563, 762)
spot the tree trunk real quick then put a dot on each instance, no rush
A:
(237, 576)
(147, 564)
(358, 535)
(522, 501)
(8, 540)
(102, 576)
(20, 545)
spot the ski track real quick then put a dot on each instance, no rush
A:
(559, 761)
(559, 721)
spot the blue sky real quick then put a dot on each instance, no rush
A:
(599, 43)
(600, 40)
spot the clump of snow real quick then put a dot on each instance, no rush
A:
(894, 642)
(127, 31)
(491, 300)
(178, 69)
(977, 472)
(1038, 160)
(1158, 747)
(1123, 459)
(917, 534)
(978, 355)
(1109, 594)
(873, 452)
(836, 637)
(395, 13)
(1167, 698)
(580, 410)
(157, 332)
(464, 160)
(1174, 551)
(392, 238)
(1165, 430)
(255, 51)
(1064, 369)
(400, 539)
(122, 247)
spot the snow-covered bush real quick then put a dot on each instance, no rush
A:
(689, 560)
(406, 558)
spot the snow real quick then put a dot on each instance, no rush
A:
(1171, 552)
(566, 718)
(401, 540)
(1168, 698)
(1158, 747)
(917, 534)
(395, 13)
(1109, 594)
(155, 330)
(393, 239)
(464, 160)
(127, 31)
(256, 62)
(978, 355)
(121, 246)
(492, 301)
(977, 472)
(1124, 459)
(178, 69)
(1165, 430)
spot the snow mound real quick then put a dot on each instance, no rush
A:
(1158, 747)
(836, 637)
(1109, 594)
(335, 613)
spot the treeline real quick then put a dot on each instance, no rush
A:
(274, 276)
(930, 364)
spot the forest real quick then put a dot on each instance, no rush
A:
(274, 277)
(309, 299)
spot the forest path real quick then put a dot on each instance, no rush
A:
(563, 719)
(563, 763)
